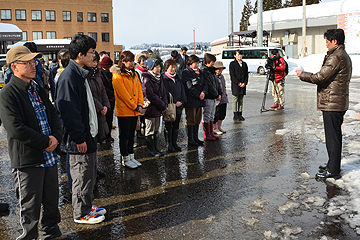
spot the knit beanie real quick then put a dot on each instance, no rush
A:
(106, 62)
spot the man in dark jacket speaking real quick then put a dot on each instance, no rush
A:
(33, 131)
(332, 82)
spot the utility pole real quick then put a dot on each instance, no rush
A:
(304, 29)
(194, 40)
(231, 22)
(260, 23)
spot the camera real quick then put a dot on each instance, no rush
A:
(269, 66)
(270, 62)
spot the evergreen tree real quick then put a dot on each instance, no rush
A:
(293, 3)
(269, 5)
(247, 12)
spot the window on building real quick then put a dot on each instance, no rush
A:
(91, 17)
(36, 15)
(37, 35)
(5, 14)
(24, 36)
(68, 38)
(20, 14)
(105, 37)
(105, 17)
(93, 36)
(80, 33)
(50, 15)
(80, 16)
(50, 35)
(66, 16)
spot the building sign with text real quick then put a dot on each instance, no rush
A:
(351, 24)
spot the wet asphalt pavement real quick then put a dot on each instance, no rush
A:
(247, 183)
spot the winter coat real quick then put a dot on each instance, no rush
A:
(106, 78)
(176, 89)
(224, 96)
(26, 142)
(194, 84)
(71, 102)
(100, 100)
(128, 93)
(238, 75)
(332, 80)
(212, 83)
(279, 70)
(155, 92)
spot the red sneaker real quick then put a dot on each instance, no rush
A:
(274, 107)
(279, 108)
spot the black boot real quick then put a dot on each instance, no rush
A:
(236, 116)
(100, 174)
(139, 135)
(196, 135)
(175, 134)
(191, 141)
(241, 118)
(4, 207)
(156, 138)
(169, 139)
(150, 146)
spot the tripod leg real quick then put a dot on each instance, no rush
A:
(262, 109)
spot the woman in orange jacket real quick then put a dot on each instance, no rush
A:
(128, 101)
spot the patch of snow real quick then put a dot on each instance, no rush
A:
(282, 131)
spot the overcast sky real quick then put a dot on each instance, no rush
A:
(172, 22)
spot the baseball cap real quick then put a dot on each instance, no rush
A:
(20, 53)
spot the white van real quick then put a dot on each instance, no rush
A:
(255, 57)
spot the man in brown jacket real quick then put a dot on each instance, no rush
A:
(332, 82)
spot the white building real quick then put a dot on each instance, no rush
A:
(285, 26)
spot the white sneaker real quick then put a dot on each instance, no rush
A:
(132, 158)
(126, 162)
(97, 210)
(90, 218)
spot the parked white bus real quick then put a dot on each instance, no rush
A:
(255, 57)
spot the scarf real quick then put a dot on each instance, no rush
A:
(172, 77)
(141, 68)
(197, 71)
(157, 77)
(130, 73)
(93, 121)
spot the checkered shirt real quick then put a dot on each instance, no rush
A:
(51, 158)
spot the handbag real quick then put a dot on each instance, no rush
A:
(170, 114)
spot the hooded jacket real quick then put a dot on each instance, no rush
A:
(332, 80)
(194, 84)
(154, 91)
(128, 93)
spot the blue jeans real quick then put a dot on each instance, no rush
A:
(68, 171)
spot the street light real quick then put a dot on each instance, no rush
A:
(194, 39)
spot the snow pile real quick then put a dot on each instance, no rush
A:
(347, 206)
(312, 63)
(312, 11)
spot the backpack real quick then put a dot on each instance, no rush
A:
(286, 68)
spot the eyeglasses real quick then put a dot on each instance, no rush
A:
(92, 52)
(34, 63)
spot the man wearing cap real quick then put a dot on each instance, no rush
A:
(33, 131)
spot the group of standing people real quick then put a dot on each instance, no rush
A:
(37, 130)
